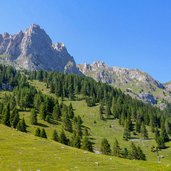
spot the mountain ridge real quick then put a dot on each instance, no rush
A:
(134, 82)
(34, 50)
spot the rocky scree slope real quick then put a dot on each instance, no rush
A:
(132, 81)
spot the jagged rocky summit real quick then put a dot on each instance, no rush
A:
(34, 50)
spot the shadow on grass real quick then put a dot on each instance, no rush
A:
(42, 125)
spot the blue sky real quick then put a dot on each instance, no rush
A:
(132, 34)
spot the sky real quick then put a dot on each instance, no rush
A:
(130, 34)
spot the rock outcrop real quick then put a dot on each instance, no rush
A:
(34, 50)
(134, 82)
(115, 75)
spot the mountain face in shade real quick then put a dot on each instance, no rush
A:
(34, 50)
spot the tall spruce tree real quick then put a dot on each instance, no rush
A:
(144, 132)
(6, 116)
(63, 139)
(55, 136)
(33, 118)
(21, 126)
(116, 148)
(56, 112)
(42, 111)
(43, 133)
(87, 144)
(126, 134)
(105, 147)
(37, 132)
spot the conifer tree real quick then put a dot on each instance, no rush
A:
(33, 117)
(101, 111)
(76, 141)
(15, 120)
(108, 111)
(141, 155)
(37, 132)
(43, 133)
(42, 111)
(87, 144)
(164, 134)
(6, 116)
(63, 139)
(105, 147)
(125, 153)
(116, 148)
(134, 152)
(138, 126)
(70, 111)
(55, 136)
(144, 132)
(67, 124)
(56, 112)
(21, 126)
(86, 133)
(126, 134)
(48, 118)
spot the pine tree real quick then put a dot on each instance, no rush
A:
(63, 139)
(105, 147)
(48, 118)
(134, 152)
(70, 111)
(56, 112)
(15, 120)
(141, 155)
(6, 116)
(42, 111)
(86, 133)
(21, 126)
(116, 148)
(43, 133)
(67, 124)
(138, 126)
(33, 117)
(108, 111)
(126, 134)
(37, 132)
(144, 132)
(76, 141)
(77, 126)
(101, 111)
(55, 136)
(164, 134)
(87, 144)
(125, 153)
(129, 123)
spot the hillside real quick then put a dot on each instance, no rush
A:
(20, 151)
(83, 113)
(134, 82)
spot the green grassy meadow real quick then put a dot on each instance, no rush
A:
(24, 151)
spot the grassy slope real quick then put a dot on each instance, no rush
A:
(109, 129)
(23, 151)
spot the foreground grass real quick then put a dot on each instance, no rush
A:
(23, 151)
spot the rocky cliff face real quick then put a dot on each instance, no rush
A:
(115, 75)
(34, 50)
(132, 81)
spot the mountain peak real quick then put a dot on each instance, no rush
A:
(34, 50)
